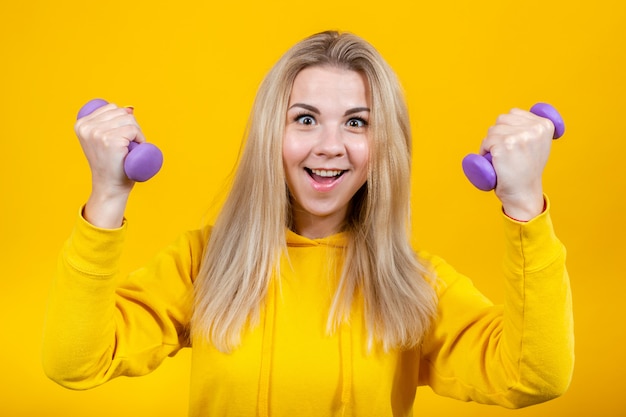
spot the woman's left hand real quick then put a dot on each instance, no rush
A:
(519, 143)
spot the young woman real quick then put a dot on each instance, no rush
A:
(305, 298)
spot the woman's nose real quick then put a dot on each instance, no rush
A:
(330, 142)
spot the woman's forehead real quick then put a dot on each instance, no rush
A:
(326, 84)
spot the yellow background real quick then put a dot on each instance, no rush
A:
(191, 70)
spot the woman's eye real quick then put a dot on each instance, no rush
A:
(305, 119)
(357, 123)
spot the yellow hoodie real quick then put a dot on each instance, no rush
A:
(101, 325)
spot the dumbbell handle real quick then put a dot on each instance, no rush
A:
(143, 161)
(478, 168)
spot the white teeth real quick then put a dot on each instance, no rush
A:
(326, 173)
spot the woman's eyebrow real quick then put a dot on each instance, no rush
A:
(356, 110)
(308, 107)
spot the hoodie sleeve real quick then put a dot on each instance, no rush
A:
(516, 354)
(99, 324)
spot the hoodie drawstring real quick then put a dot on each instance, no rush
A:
(345, 342)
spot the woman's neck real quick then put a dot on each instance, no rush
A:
(316, 227)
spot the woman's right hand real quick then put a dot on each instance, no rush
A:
(104, 136)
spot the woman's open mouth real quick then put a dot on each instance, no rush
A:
(324, 176)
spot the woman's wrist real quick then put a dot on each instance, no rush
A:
(105, 213)
(526, 209)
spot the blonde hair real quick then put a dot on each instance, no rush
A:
(248, 238)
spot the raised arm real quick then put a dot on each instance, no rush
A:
(521, 352)
(100, 323)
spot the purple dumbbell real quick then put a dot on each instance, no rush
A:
(143, 161)
(478, 168)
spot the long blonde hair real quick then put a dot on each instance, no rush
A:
(248, 238)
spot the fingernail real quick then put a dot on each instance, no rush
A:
(130, 109)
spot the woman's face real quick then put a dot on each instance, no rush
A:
(325, 148)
